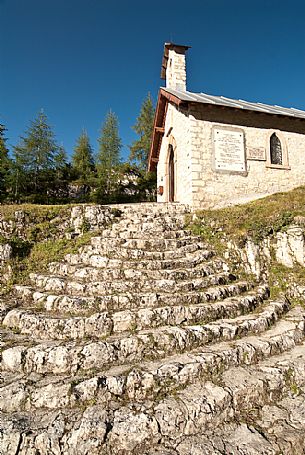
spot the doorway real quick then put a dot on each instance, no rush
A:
(171, 175)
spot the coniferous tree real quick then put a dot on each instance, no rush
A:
(82, 158)
(108, 157)
(60, 160)
(5, 164)
(19, 178)
(36, 158)
(62, 173)
(139, 149)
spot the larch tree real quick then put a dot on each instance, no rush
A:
(37, 156)
(60, 159)
(108, 157)
(82, 158)
(62, 167)
(139, 149)
(5, 164)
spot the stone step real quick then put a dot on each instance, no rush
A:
(202, 408)
(82, 305)
(189, 260)
(167, 228)
(147, 244)
(153, 360)
(6, 304)
(10, 338)
(113, 251)
(248, 394)
(278, 430)
(43, 326)
(99, 288)
(151, 209)
(91, 273)
(146, 232)
(150, 380)
(134, 211)
(58, 358)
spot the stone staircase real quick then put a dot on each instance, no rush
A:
(144, 342)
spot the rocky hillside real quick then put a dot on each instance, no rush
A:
(150, 339)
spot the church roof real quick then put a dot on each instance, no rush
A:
(180, 97)
(203, 98)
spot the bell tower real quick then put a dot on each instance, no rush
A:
(174, 66)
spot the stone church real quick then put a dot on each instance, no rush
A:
(212, 151)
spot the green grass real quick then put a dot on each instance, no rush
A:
(42, 253)
(39, 213)
(38, 222)
(255, 220)
(282, 278)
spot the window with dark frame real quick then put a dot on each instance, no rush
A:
(276, 153)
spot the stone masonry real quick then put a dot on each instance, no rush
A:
(212, 189)
(176, 70)
(144, 342)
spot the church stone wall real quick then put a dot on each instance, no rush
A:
(216, 189)
(197, 183)
(178, 134)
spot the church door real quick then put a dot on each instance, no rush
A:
(171, 175)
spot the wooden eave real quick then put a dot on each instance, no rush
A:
(159, 126)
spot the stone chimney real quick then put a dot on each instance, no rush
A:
(173, 66)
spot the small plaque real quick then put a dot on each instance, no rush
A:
(229, 149)
(256, 153)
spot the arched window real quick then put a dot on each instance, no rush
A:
(276, 152)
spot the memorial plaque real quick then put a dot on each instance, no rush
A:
(256, 153)
(229, 150)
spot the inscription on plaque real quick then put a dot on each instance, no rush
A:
(256, 153)
(229, 150)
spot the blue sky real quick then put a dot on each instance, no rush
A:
(77, 59)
